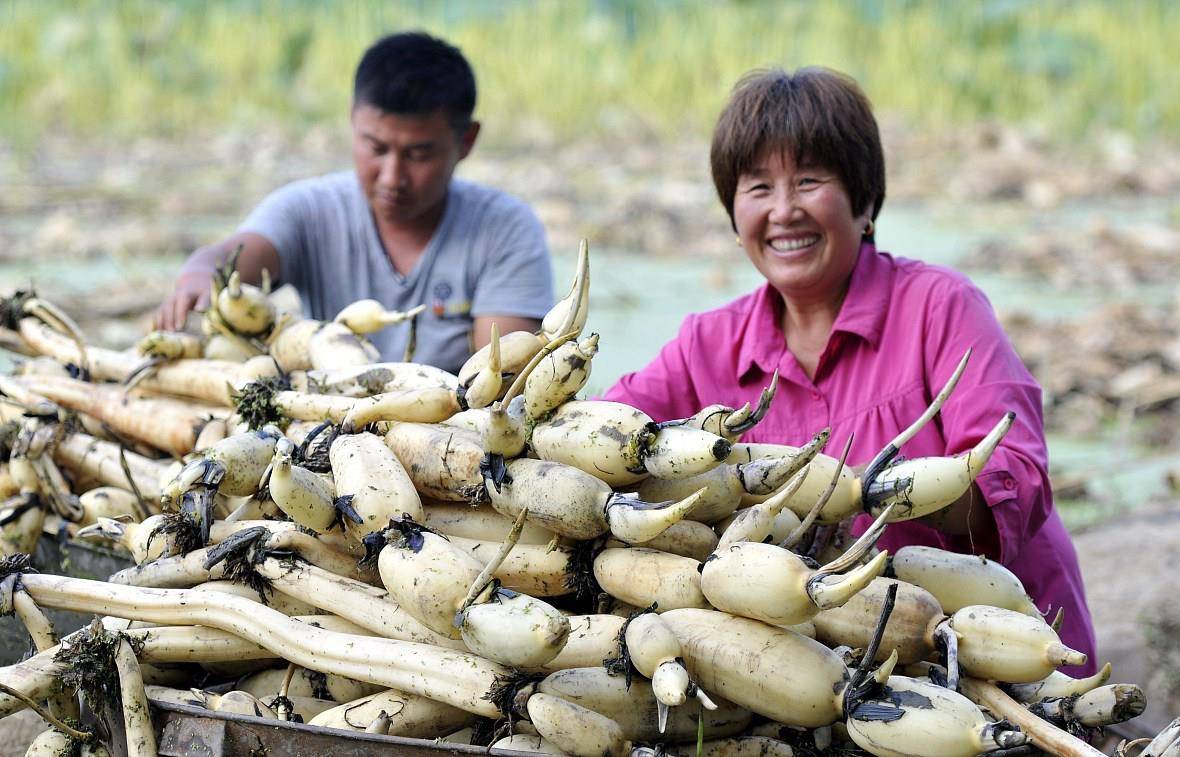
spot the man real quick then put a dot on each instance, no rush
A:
(398, 229)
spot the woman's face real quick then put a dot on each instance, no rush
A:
(798, 226)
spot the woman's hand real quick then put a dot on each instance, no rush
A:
(971, 517)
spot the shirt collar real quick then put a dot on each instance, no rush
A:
(862, 314)
(762, 341)
(869, 292)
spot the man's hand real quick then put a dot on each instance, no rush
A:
(191, 292)
(192, 285)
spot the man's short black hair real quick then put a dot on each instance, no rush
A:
(413, 73)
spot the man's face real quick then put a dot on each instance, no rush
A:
(405, 163)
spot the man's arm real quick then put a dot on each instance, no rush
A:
(192, 285)
(481, 328)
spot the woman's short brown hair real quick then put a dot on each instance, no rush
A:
(820, 117)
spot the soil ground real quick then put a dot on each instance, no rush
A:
(1130, 565)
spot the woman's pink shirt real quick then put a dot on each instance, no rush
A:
(901, 331)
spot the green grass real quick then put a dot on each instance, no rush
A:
(658, 68)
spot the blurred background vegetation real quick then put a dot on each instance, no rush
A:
(585, 67)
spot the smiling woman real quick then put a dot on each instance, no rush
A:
(798, 227)
(861, 340)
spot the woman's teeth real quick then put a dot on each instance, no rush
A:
(789, 245)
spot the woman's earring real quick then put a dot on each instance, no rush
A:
(869, 228)
(738, 240)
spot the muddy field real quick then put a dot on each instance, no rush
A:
(1091, 238)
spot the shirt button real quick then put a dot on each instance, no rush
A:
(815, 396)
(1009, 482)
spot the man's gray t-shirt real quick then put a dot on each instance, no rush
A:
(487, 257)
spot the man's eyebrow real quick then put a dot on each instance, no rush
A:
(423, 145)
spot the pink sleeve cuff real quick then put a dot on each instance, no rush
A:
(1001, 492)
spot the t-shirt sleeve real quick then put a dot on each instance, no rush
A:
(1015, 481)
(282, 218)
(517, 275)
(663, 388)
